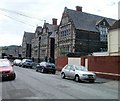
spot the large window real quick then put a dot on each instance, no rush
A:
(103, 33)
(65, 31)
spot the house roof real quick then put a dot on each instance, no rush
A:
(52, 35)
(116, 25)
(86, 21)
(51, 27)
(28, 36)
(39, 28)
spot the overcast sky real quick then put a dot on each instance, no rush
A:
(17, 16)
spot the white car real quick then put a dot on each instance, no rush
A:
(78, 73)
(17, 62)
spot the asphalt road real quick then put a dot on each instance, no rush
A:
(30, 84)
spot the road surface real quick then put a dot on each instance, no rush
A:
(30, 84)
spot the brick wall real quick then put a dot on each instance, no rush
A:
(104, 66)
(61, 62)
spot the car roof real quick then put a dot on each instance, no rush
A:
(26, 59)
(17, 60)
(46, 63)
(4, 61)
(76, 65)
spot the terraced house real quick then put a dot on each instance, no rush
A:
(114, 39)
(47, 40)
(81, 33)
(40, 46)
(27, 44)
(36, 44)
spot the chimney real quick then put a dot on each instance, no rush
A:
(54, 21)
(79, 8)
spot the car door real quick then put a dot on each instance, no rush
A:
(72, 71)
(67, 70)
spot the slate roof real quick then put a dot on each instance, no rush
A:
(86, 21)
(52, 35)
(28, 37)
(51, 27)
(116, 25)
(39, 28)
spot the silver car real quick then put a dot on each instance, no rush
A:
(78, 73)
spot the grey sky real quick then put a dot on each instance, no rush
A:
(12, 25)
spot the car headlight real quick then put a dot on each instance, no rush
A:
(84, 75)
(94, 75)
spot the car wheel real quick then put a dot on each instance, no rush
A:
(77, 79)
(92, 81)
(63, 75)
(36, 70)
(42, 70)
(24, 66)
(14, 76)
(53, 72)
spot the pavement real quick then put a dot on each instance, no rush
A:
(58, 72)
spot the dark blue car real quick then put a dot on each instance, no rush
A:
(46, 67)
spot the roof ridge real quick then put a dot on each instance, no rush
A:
(91, 14)
(86, 21)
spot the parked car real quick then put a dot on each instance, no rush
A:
(17, 62)
(46, 67)
(27, 63)
(78, 73)
(6, 70)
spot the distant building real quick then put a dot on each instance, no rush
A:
(81, 33)
(114, 39)
(3, 51)
(27, 44)
(12, 51)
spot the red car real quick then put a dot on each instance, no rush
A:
(6, 70)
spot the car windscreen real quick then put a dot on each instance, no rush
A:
(4, 63)
(81, 68)
(28, 60)
(50, 65)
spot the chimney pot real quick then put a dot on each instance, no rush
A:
(54, 21)
(79, 8)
